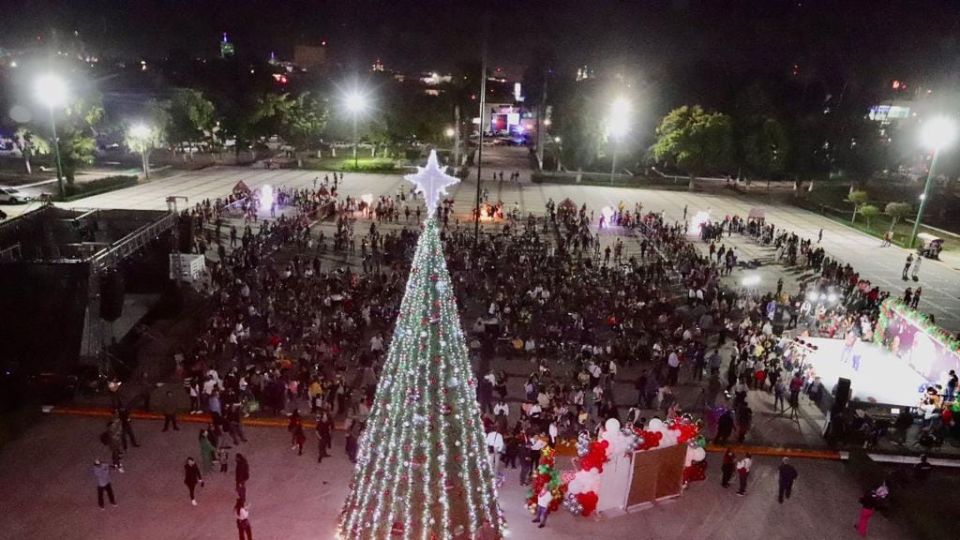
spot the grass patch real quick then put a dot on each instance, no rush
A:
(95, 187)
(382, 165)
(878, 225)
(603, 179)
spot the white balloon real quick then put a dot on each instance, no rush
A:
(699, 454)
(689, 458)
(655, 424)
(612, 425)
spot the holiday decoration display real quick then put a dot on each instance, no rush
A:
(431, 182)
(584, 486)
(422, 469)
(546, 475)
(894, 307)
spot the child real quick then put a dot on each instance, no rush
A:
(224, 458)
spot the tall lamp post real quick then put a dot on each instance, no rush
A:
(559, 143)
(936, 134)
(618, 124)
(356, 104)
(141, 135)
(51, 91)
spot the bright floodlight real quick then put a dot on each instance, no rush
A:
(449, 132)
(938, 132)
(140, 131)
(751, 280)
(618, 123)
(51, 90)
(356, 102)
(266, 196)
(556, 140)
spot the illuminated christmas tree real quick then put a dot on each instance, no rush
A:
(421, 470)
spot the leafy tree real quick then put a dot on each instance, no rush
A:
(306, 121)
(869, 212)
(766, 148)
(577, 123)
(76, 132)
(695, 140)
(897, 211)
(30, 144)
(156, 120)
(405, 116)
(858, 198)
(190, 117)
(269, 115)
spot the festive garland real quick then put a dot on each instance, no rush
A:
(920, 320)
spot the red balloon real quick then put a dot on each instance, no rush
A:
(588, 501)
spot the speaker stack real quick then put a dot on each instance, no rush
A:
(111, 295)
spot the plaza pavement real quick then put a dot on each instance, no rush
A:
(48, 491)
(941, 282)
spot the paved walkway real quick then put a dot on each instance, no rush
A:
(49, 492)
(941, 282)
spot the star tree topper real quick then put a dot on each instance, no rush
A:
(432, 182)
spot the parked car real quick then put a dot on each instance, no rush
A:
(11, 195)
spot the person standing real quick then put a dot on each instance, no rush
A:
(744, 419)
(820, 236)
(728, 466)
(299, 438)
(169, 407)
(126, 428)
(241, 475)
(870, 501)
(114, 435)
(101, 471)
(495, 446)
(787, 474)
(743, 473)
(915, 270)
(544, 498)
(207, 451)
(192, 477)
(242, 512)
(673, 368)
(146, 390)
(353, 439)
(323, 435)
(906, 266)
(724, 427)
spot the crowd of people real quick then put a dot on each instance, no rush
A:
(551, 300)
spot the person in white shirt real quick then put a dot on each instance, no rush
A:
(743, 472)
(501, 408)
(544, 498)
(376, 343)
(241, 509)
(495, 447)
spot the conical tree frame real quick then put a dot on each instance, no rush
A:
(421, 470)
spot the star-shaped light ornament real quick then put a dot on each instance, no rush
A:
(432, 182)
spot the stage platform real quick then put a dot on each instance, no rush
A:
(876, 374)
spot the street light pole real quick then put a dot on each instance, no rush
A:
(56, 151)
(923, 198)
(613, 164)
(146, 163)
(355, 140)
(559, 142)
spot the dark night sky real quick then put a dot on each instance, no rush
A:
(429, 34)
